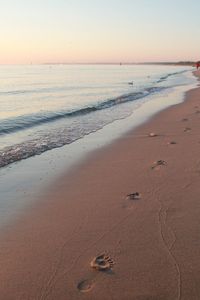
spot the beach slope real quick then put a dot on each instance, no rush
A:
(124, 225)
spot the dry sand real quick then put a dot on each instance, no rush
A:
(151, 244)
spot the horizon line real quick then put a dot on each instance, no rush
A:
(103, 63)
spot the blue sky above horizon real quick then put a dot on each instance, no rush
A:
(99, 30)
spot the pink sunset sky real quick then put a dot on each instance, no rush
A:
(99, 31)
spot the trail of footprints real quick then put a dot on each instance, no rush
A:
(103, 262)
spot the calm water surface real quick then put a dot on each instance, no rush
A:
(49, 106)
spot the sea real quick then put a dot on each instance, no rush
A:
(43, 107)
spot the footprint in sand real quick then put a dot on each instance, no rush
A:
(184, 120)
(158, 163)
(187, 129)
(197, 112)
(172, 143)
(102, 262)
(133, 196)
(85, 286)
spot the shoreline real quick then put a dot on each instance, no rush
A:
(23, 184)
(153, 240)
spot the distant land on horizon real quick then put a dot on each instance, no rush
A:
(180, 63)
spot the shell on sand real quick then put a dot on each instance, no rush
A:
(152, 134)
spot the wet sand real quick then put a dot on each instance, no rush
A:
(150, 240)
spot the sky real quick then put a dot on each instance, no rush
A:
(103, 31)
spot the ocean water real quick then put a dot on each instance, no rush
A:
(48, 106)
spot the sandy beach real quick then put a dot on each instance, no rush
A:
(135, 204)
